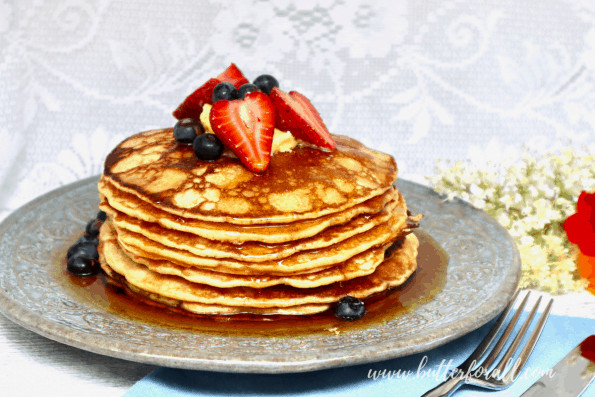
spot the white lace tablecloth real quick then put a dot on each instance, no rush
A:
(420, 80)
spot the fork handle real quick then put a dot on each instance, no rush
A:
(446, 388)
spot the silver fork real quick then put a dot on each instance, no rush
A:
(496, 379)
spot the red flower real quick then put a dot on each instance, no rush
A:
(580, 227)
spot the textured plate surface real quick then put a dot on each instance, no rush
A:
(483, 273)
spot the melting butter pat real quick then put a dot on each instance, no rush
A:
(204, 118)
(282, 141)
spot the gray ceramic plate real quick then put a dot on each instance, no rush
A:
(482, 275)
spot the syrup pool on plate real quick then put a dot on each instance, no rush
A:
(422, 286)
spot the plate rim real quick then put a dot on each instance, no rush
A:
(57, 332)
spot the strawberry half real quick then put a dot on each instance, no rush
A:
(234, 76)
(191, 108)
(193, 104)
(295, 113)
(246, 126)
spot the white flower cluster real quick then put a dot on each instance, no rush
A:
(531, 197)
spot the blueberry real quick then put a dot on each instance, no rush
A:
(266, 82)
(224, 91)
(88, 250)
(186, 130)
(92, 228)
(88, 239)
(101, 216)
(245, 89)
(350, 308)
(82, 266)
(207, 147)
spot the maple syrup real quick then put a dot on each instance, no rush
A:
(422, 286)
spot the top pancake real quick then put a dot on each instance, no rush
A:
(305, 183)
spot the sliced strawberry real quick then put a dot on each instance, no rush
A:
(295, 113)
(193, 104)
(246, 126)
(233, 75)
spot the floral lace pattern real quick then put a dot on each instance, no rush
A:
(420, 80)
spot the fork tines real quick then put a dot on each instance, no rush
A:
(507, 368)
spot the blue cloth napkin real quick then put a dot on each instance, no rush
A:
(560, 335)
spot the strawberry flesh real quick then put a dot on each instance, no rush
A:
(193, 104)
(246, 126)
(295, 113)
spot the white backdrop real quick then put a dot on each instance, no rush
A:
(421, 80)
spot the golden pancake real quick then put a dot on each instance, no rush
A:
(306, 183)
(392, 272)
(299, 262)
(253, 251)
(204, 309)
(270, 233)
(214, 238)
(356, 266)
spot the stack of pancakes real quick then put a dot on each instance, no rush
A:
(215, 238)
